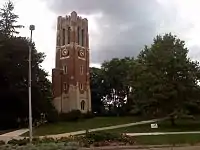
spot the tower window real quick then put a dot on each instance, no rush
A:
(65, 69)
(82, 105)
(63, 42)
(78, 32)
(69, 34)
(81, 69)
(82, 37)
(65, 86)
(81, 86)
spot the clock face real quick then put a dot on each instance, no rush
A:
(81, 53)
(64, 53)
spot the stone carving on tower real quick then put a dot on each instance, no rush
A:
(70, 77)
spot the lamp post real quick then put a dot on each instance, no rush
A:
(31, 28)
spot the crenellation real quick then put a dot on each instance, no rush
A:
(59, 20)
(74, 16)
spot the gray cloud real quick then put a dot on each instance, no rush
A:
(131, 24)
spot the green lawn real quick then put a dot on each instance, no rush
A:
(64, 127)
(163, 126)
(168, 139)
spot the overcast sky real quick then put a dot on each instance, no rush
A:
(117, 28)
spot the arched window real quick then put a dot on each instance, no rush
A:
(63, 37)
(82, 105)
(81, 69)
(82, 37)
(78, 32)
(81, 86)
(65, 69)
(68, 34)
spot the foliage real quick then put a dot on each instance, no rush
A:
(14, 82)
(88, 115)
(110, 85)
(2, 143)
(14, 77)
(164, 78)
(87, 140)
(43, 146)
(161, 81)
(117, 80)
(8, 20)
(73, 115)
(97, 89)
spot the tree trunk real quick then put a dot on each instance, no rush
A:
(172, 119)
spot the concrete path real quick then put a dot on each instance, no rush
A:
(101, 129)
(172, 148)
(15, 133)
(169, 148)
(146, 147)
(162, 133)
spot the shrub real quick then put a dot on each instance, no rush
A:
(19, 142)
(103, 136)
(44, 146)
(72, 142)
(73, 115)
(88, 115)
(52, 116)
(2, 143)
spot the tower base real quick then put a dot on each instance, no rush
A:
(73, 100)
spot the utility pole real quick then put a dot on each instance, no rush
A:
(31, 28)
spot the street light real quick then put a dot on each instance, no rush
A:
(31, 28)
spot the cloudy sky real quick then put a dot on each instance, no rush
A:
(117, 28)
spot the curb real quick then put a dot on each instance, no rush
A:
(136, 147)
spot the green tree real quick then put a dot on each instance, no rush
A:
(97, 89)
(14, 82)
(8, 20)
(164, 78)
(14, 76)
(117, 79)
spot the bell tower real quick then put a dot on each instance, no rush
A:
(70, 77)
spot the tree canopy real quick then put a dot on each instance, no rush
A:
(8, 20)
(162, 80)
(14, 75)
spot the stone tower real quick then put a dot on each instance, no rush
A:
(70, 77)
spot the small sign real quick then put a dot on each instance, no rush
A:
(154, 125)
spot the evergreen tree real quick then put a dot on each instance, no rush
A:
(8, 20)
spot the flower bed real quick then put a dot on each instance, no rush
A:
(73, 142)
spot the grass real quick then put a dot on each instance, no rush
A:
(64, 127)
(164, 126)
(168, 139)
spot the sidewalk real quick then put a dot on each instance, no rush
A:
(101, 129)
(156, 147)
(162, 133)
(15, 133)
